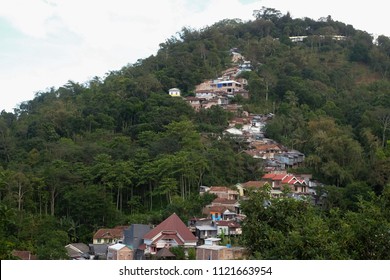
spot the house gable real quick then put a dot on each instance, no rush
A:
(171, 225)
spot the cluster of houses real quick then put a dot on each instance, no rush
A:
(219, 92)
(249, 129)
(210, 236)
(139, 242)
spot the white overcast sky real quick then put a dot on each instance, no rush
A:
(45, 43)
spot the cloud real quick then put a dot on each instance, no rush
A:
(30, 17)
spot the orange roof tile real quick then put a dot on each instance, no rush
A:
(219, 189)
(116, 232)
(279, 177)
(220, 200)
(255, 184)
(269, 176)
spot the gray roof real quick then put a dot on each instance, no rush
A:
(76, 250)
(99, 249)
(206, 228)
(81, 246)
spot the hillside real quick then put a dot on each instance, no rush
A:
(120, 150)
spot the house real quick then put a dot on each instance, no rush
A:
(206, 94)
(281, 180)
(119, 252)
(231, 205)
(290, 158)
(267, 150)
(195, 102)
(271, 165)
(109, 235)
(224, 192)
(174, 92)
(169, 233)
(194, 222)
(228, 228)
(214, 212)
(257, 185)
(217, 252)
(77, 251)
(206, 231)
(229, 86)
(229, 215)
(133, 237)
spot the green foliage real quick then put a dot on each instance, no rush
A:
(179, 253)
(191, 254)
(290, 229)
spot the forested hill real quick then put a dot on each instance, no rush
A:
(120, 150)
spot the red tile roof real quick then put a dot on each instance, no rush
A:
(219, 200)
(172, 223)
(218, 189)
(279, 177)
(253, 184)
(269, 176)
(217, 209)
(116, 232)
(289, 179)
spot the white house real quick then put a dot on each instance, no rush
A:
(175, 92)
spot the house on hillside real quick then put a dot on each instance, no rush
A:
(228, 228)
(266, 150)
(224, 192)
(214, 212)
(109, 235)
(206, 94)
(169, 233)
(290, 158)
(205, 231)
(229, 86)
(281, 180)
(230, 204)
(174, 92)
(256, 186)
(222, 209)
(195, 102)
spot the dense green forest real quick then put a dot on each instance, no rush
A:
(120, 150)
